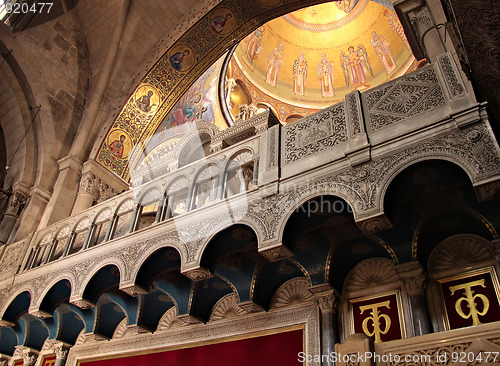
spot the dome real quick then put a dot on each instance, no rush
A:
(307, 60)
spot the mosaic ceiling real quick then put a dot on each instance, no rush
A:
(309, 59)
(290, 64)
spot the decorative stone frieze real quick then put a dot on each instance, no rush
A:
(198, 274)
(276, 253)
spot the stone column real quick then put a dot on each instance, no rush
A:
(413, 277)
(96, 185)
(30, 218)
(27, 354)
(65, 189)
(325, 299)
(87, 194)
(61, 355)
(14, 208)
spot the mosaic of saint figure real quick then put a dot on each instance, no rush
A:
(274, 64)
(383, 50)
(346, 5)
(116, 147)
(325, 76)
(177, 58)
(219, 22)
(144, 102)
(254, 45)
(356, 66)
(300, 74)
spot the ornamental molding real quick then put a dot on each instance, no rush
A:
(460, 251)
(166, 336)
(227, 307)
(292, 292)
(371, 273)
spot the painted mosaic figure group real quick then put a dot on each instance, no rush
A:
(355, 65)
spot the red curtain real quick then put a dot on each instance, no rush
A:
(273, 350)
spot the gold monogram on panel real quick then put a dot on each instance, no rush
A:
(375, 320)
(470, 300)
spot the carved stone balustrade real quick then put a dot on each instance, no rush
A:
(352, 150)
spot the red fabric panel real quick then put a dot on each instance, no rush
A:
(272, 350)
(49, 360)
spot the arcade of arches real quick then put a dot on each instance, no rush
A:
(188, 182)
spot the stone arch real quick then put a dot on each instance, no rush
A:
(104, 214)
(224, 226)
(174, 183)
(94, 270)
(151, 194)
(16, 300)
(392, 173)
(68, 276)
(35, 309)
(303, 197)
(201, 134)
(174, 244)
(242, 156)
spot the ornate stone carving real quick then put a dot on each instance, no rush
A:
(169, 320)
(453, 81)
(370, 273)
(27, 354)
(13, 255)
(414, 285)
(276, 253)
(198, 274)
(226, 307)
(16, 203)
(354, 113)
(460, 251)
(250, 307)
(89, 184)
(134, 290)
(292, 292)
(374, 225)
(488, 191)
(121, 329)
(187, 319)
(273, 146)
(315, 133)
(82, 303)
(406, 97)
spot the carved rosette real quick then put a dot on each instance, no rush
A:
(226, 307)
(276, 253)
(294, 291)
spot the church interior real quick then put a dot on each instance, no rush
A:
(221, 182)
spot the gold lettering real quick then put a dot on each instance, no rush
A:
(470, 298)
(375, 318)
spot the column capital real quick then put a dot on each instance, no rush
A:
(27, 354)
(413, 277)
